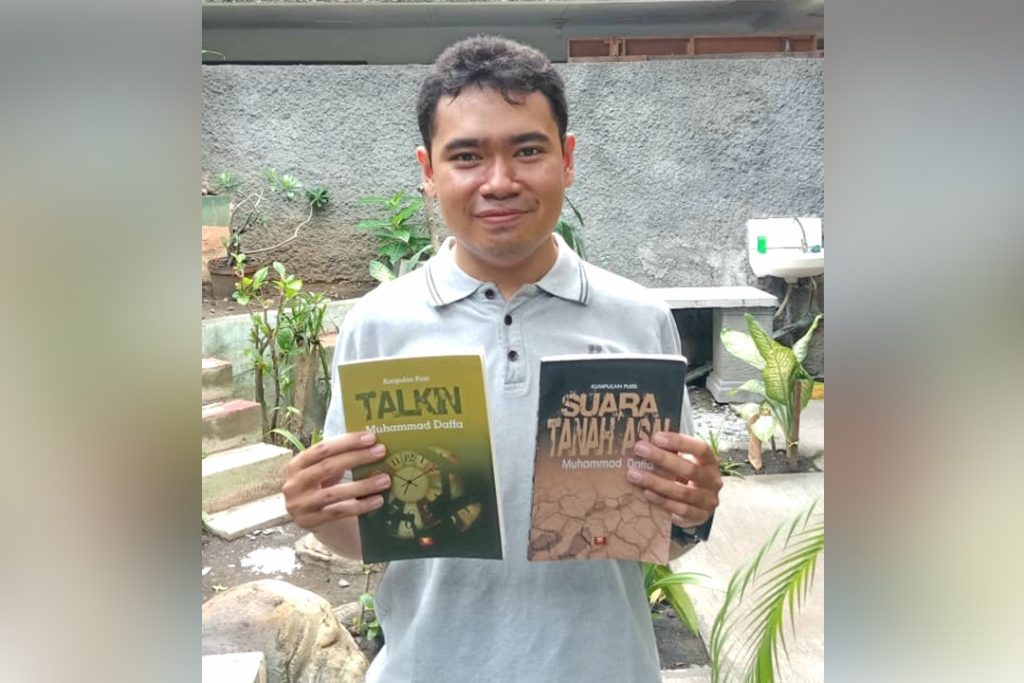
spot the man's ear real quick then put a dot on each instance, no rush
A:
(568, 158)
(428, 171)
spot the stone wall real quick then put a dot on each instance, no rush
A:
(673, 156)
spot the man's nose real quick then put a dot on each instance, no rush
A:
(501, 179)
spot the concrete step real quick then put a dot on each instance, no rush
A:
(218, 382)
(230, 424)
(696, 674)
(241, 519)
(242, 475)
(236, 667)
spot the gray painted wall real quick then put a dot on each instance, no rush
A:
(673, 156)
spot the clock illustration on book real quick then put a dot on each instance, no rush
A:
(427, 495)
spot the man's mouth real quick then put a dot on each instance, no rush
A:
(497, 213)
(499, 216)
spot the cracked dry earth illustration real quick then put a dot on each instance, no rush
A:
(595, 521)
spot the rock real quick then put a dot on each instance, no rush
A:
(347, 613)
(296, 630)
(311, 549)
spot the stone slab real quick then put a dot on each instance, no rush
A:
(230, 424)
(715, 297)
(729, 371)
(237, 667)
(696, 674)
(240, 520)
(242, 475)
(218, 383)
(749, 512)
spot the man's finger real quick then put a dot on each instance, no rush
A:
(678, 466)
(330, 470)
(671, 490)
(328, 447)
(683, 443)
(683, 514)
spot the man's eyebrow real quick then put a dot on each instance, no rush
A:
(535, 136)
(473, 143)
(460, 143)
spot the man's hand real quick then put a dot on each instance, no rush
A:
(689, 490)
(313, 491)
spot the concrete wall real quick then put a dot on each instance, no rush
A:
(673, 156)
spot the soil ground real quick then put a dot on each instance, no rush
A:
(266, 555)
(218, 308)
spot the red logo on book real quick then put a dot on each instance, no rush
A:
(600, 540)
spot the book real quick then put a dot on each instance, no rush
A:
(431, 414)
(591, 412)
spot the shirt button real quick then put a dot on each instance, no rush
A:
(508, 320)
(489, 293)
(513, 355)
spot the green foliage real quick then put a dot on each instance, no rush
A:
(661, 583)
(365, 623)
(570, 233)
(247, 214)
(781, 372)
(285, 325)
(403, 239)
(750, 626)
(728, 468)
(226, 182)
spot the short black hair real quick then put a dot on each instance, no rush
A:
(490, 62)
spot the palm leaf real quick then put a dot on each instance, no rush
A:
(750, 626)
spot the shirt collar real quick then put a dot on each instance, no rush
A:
(447, 283)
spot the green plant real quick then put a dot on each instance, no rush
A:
(365, 623)
(661, 583)
(294, 441)
(570, 233)
(403, 240)
(778, 579)
(728, 468)
(784, 385)
(247, 213)
(286, 324)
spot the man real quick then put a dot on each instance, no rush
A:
(497, 158)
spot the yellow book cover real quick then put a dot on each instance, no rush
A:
(431, 414)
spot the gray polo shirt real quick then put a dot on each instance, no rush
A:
(453, 619)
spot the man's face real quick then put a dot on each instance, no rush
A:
(499, 173)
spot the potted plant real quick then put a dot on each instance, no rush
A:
(247, 215)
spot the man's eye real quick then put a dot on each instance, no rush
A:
(529, 151)
(464, 157)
